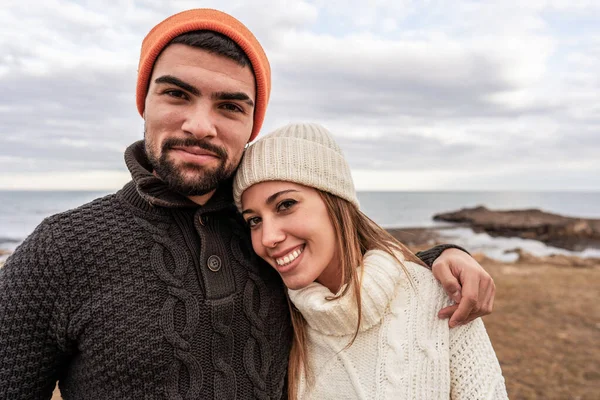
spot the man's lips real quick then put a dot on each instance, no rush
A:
(197, 151)
(195, 155)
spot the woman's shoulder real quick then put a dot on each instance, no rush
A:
(411, 279)
(397, 266)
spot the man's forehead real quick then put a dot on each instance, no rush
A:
(194, 66)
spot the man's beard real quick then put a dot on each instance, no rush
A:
(189, 179)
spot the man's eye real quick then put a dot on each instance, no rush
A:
(286, 205)
(232, 107)
(176, 93)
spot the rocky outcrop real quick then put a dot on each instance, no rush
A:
(553, 229)
(557, 260)
(415, 238)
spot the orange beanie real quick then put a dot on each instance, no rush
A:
(211, 20)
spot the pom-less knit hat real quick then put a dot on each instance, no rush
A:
(210, 20)
(301, 153)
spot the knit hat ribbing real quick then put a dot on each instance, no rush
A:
(303, 153)
(211, 20)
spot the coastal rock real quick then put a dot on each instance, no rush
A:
(553, 229)
(557, 260)
(415, 238)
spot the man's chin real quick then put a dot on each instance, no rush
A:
(190, 181)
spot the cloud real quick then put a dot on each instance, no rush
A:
(445, 93)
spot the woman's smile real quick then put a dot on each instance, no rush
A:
(290, 260)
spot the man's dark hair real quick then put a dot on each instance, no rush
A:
(215, 43)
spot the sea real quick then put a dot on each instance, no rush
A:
(22, 211)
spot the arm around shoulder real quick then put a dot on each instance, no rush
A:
(475, 372)
(33, 318)
(430, 255)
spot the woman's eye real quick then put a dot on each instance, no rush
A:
(285, 205)
(252, 222)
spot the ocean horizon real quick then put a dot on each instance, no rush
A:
(22, 210)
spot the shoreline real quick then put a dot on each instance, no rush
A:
(569, 233)
(502, 249)
(499, 249)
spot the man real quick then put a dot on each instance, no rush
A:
(154, 291)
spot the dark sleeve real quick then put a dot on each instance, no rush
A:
(430, 255)
(33, 318)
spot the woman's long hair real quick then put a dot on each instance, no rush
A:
(355, 234)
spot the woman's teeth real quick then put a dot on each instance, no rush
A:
(290, 257)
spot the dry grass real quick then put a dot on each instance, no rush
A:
(546, 330)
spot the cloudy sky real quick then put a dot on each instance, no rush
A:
(422, 95)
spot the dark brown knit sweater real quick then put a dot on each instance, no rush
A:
(143, 294)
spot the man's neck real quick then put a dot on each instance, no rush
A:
(202, 199)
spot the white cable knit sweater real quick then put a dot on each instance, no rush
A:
(403, 350)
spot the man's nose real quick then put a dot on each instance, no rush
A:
(201, 122)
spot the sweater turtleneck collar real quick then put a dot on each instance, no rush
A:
(382, 278)
(147, 190)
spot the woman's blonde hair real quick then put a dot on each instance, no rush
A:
(355, 234)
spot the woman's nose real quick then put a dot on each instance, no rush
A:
(272, 234)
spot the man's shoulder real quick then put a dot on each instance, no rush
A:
(100, 208)
(90, 222)
(57, 234)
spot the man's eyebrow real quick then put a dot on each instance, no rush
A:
(170, 79)
(233, 96)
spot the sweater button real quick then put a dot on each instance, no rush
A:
(214, 263)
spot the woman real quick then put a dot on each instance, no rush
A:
(363, 306)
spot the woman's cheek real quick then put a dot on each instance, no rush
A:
(256, 245)
(254, 239)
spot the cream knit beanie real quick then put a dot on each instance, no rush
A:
(303, 153)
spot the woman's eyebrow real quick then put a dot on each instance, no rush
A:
(270, 199)
(274, 196)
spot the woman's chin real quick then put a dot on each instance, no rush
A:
(296, 284)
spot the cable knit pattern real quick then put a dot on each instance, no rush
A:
(403, 351)
(258, 342)
(178, 297)
(223, 341)
(258, 313)
(142, 294)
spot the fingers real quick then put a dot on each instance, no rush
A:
(483, 306)
(469, 302)
(467, 283)
(487, 299)
(447, 312)
(451, 285)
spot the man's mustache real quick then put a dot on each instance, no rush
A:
(168, 144)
